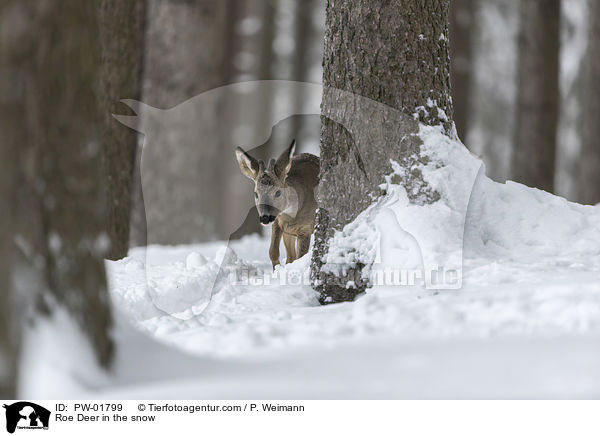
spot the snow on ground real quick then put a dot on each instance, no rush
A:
(531, 265)
(527, 314)
(524, 324)
(546, 290)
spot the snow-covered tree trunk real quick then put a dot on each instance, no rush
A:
(122, 40)
(589, 174)
(394, 53)
(51, 130)
(534, 150)
(461, 29)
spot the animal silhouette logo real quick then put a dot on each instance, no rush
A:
(26, 415)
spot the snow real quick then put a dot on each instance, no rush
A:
(525, 322)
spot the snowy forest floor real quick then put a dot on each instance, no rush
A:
(518, 328)
(501, 298)
(524, 325)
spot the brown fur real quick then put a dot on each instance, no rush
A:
(295, 178)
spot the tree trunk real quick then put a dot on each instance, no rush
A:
(53, 55)
(534, 148)
(461, 28)
(589, 174)
(493, 95)
(8, 178)
(122, 42)
(185, 56)
(395, 53)
(8, 333)
(249, 57)
(302, 37)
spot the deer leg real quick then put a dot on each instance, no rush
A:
(303, 245)
(289, 242)
(276, 233)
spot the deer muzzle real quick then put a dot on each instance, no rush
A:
(267, 214)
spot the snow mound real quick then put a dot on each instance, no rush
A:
(513, 221)
(208, 292)
(394, 233)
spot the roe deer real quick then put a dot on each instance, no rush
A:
(284, 197)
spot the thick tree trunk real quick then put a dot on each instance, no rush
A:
(461, 29)
(54, 58)
(122, 40)
(395, 53)
(185, 56)
(534, 148)
(8, 178)
(589, 174)
(8, 332)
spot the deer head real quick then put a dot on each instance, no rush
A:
(272, 195)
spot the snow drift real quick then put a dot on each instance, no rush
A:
(529, 302)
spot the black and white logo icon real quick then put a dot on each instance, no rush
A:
(26, 415)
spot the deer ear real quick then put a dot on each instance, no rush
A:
(284, 162)
(248, 165)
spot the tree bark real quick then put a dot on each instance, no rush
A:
(589, 174)
(51, 131)
(534, 150)
(8, 333)
(122, 40)
(186, 46)
(461, 28)
(394, 53)
(302, 36)
(8, 178)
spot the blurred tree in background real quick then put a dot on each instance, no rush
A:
(50, 121)
(461, 62)
(186, 49)
(534, 150)
(491, 131)
(589, 172)
(10, 316)
(121, 25)
(493, 85)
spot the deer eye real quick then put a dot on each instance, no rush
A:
(255, 195)
(277, 194)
